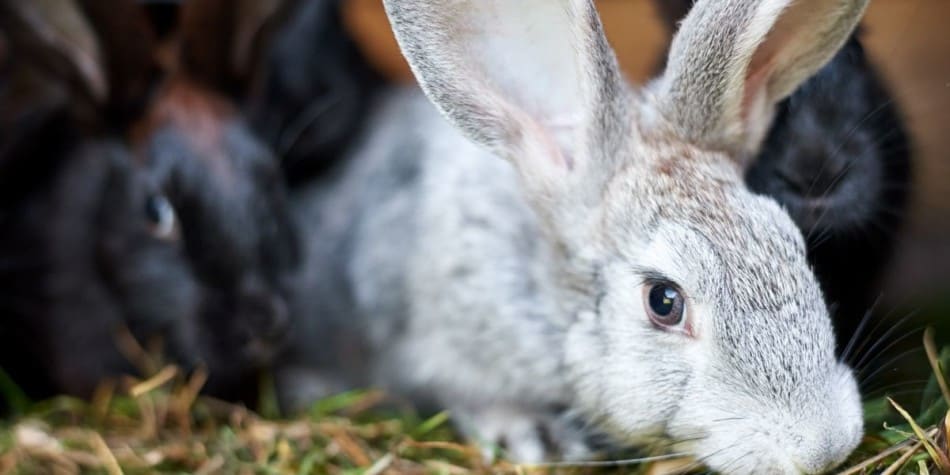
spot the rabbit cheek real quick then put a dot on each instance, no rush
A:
(159, 291)
(156, 290)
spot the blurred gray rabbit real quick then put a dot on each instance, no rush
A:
(613, 268)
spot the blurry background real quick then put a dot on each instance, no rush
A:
(909, 41)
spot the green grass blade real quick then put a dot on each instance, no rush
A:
(18, 401)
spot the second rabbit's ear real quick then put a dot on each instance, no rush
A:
(733, 60)
(219, 39)
(107, 46)
(535, 81)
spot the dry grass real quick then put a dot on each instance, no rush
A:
(162, 425)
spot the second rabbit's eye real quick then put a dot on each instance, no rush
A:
(161, 216)
(665, 304)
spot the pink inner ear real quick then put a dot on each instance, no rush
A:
(755, 89)
(540, 144)
(779, 48)
(519, 135)
(761, 67)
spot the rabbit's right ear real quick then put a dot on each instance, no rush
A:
(733, 60)
(535, 81)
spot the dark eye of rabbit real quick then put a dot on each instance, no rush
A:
(161, 216)
(665, 304)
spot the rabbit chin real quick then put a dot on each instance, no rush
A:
(730, 424)
(733, 433)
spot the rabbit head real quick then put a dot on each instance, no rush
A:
(224, 183)
(837, 158)
(697, 318)
(228, 195)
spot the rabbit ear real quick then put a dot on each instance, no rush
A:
(128, 45)
(733, 60)
(61, 26)
(535, 81)
(218, 39)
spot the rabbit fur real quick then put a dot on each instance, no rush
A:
(513, 292)
(838, 159)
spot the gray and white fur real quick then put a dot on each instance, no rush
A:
(492, 255)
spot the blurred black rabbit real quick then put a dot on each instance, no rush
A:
(838, 158)
(224, 181)
(311, 95)
(62, 171)
(133, 196)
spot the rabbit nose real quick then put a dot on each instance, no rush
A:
(820, 460)
(264, 311)
(268, 314)
(264, 324)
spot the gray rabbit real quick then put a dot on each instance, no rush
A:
(613, 266)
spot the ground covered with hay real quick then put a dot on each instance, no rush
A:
(162, 425)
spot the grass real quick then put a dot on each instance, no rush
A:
(162, 424)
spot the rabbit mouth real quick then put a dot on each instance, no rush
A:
(265, 330)
(259, 349)
(260, 352)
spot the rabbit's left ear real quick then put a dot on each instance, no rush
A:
(61, 26)
(535, 81)
(219, 39)
(733, 60)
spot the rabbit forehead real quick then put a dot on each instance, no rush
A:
(739, 252)
(757, 312)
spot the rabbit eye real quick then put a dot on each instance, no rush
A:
(161, 216)
(664, 304)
